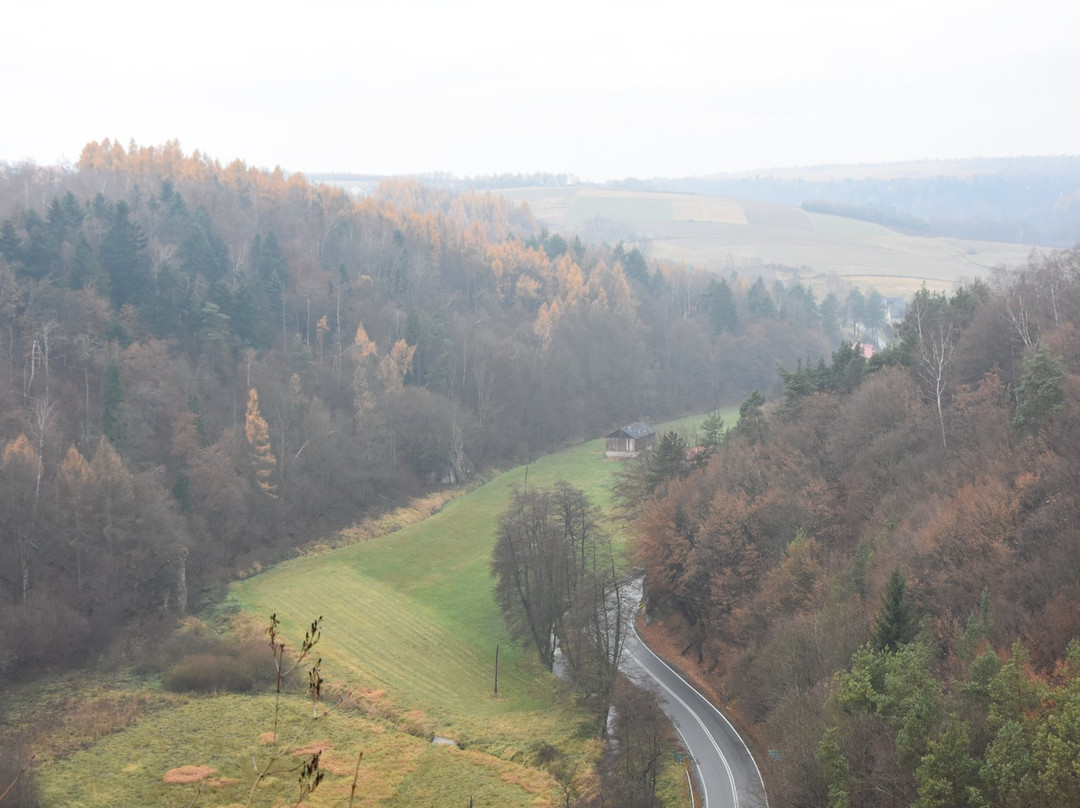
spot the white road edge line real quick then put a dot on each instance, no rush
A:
(715, 709)
(705, 729)
(704, 788)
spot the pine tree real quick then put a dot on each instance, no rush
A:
(751, 421)
(895, 624)
(712, 431)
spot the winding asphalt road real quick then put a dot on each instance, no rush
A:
(727, 776)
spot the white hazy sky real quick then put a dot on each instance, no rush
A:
(603, 90)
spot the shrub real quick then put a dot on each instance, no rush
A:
(209, 671)
(40, 635)
(195, 658)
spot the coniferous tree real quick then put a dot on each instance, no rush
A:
(758, 300)
(203, 252)
(245, 315)
(272, 269)
(713, 430)
(830, 316)
(752, 417)
(41, 249)
(668, 461)
(895, 624)
(123, 254)
(10, 242)
(113, 415)
(1041, 391)
(719, 302)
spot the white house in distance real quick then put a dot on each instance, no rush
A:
(630, 441)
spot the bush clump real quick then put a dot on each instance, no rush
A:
(197, 659)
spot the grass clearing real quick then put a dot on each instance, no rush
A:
(409, 634)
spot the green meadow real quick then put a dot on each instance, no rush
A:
(409, 637)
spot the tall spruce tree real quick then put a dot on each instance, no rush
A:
(124, 256)
(895, 624)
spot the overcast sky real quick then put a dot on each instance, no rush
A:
(603, 90)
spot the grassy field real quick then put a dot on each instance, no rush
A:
(725, 234)
(409, 633)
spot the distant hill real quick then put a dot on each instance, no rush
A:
(892, 226)
(722, 234)
(1023, 200)
(1034, 200)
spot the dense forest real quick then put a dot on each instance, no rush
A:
(207, 366)
(880, 569)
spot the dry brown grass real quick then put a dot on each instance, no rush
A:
(533, 781)
(186, 775)
(337, 765)
(329, 760)
(311, 748)
(418, 723)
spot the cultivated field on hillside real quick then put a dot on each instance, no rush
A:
(828, 253)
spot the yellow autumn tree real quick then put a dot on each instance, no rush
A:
(546, 320)
(258, 437)
(609, 289)
(395, 366)
(571, 282)
(363, 351)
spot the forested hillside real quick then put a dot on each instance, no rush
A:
(881, 570)
(207, 366)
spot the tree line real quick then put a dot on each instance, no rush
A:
(879, 567)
